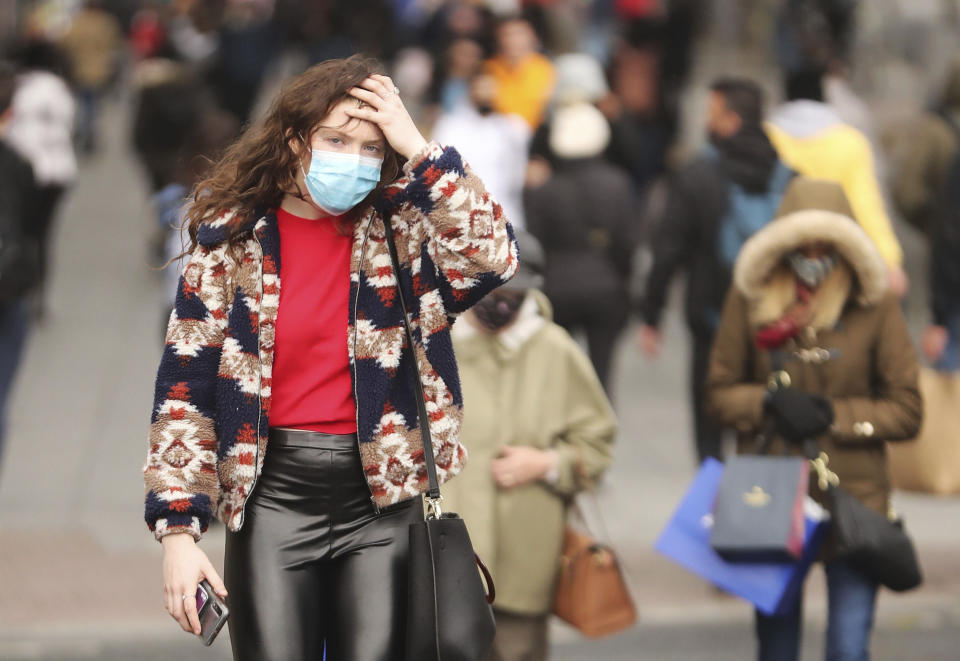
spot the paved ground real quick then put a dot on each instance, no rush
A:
(644, 643)
(79, 573)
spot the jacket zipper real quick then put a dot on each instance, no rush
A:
(256, 456)
(356, 402)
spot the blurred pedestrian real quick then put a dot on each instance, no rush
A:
(148, 33)
(525, 77)
(715, 203)
(93, 45)
(19, 252)
(192, 33)
(812, 140)
(635, 145)
(461, 61)
(247, 45)
(494, 144)
(579, 79)
(648, 72)
(814, 33)
(35, 50)
(288, 411)
(177, 132)
(539, 429)
(586, 217)
(41, 130)
(924, 156)
(812, 339)
(941, 342)
(457, 20)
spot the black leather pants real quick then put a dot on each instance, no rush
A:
(314, 564)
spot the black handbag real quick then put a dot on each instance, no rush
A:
(449, 612)
(874, 544)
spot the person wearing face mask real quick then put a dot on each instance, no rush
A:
(539, 428)
(495, 144)
(714, 204)
(813, 139)
(812, 345)
(284, 399)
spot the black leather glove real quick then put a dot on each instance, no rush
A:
(798, 415)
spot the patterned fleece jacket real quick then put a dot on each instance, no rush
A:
(210, 420)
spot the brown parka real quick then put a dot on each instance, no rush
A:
(856, 352)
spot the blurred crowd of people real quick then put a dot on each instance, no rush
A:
(569, 112)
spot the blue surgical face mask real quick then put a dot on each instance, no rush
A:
(339, 182)
(812, 271)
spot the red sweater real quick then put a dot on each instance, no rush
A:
(311, 384)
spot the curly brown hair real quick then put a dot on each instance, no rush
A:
(257, 170)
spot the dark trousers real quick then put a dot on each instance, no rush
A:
(88, 110)
(602, 320)
(851, 599)
(40, 229)
(314, 566)
(13, 336)
(708, 435)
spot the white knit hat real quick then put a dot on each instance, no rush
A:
(579, 131)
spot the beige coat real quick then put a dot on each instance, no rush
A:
(856, 352)
(93, 43)
(529, 385)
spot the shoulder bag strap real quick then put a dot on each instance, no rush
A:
(433, 493)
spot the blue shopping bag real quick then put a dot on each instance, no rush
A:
(770, 586)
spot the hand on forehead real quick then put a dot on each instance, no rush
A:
(350, 130)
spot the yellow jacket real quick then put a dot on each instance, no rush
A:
(812, 140)
(523, 89)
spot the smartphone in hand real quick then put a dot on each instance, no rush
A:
(212, 612)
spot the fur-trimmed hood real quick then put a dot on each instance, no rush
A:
(813, 211)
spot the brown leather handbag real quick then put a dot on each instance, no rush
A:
(592, 594)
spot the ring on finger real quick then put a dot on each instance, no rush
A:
(185, 597)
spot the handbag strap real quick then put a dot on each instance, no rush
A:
(593, 521)
(488, 579)
(588, 492)
(433, 493)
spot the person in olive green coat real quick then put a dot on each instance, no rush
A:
(923, 152)
(812, 340)
(539, 428)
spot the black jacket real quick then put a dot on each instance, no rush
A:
(699, 200)
(19, 255)
(686, 238)
(586, 217)
(945, 250)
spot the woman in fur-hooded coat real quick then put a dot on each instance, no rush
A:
(810, 297)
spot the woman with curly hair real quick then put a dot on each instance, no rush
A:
(284, 399)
